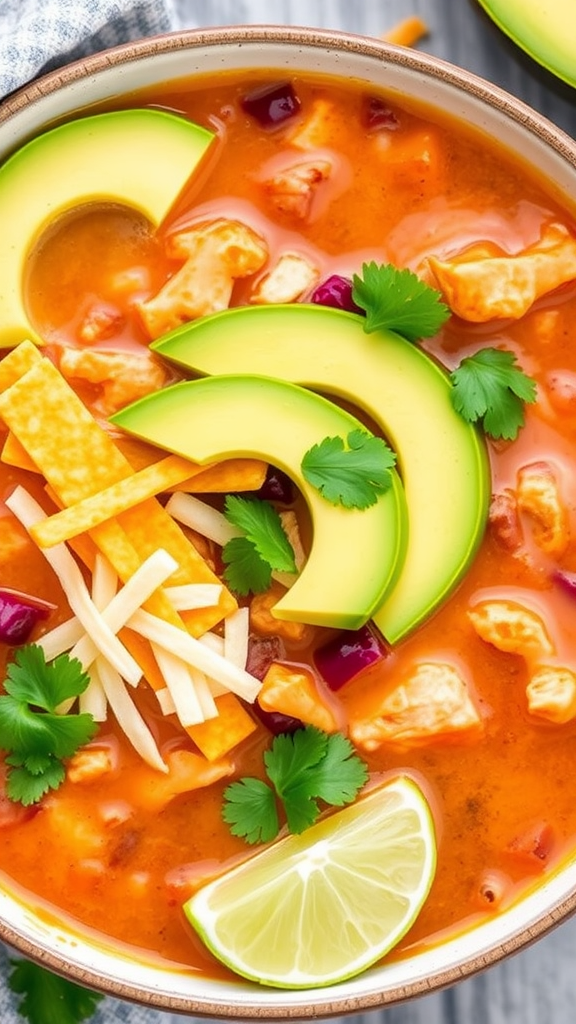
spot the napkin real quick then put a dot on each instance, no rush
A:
(38, 35)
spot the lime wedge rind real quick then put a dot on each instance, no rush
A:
(319, 908)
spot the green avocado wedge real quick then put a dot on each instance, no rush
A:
(355, 555)
(442, 460)
(138, 158)
(545, 29)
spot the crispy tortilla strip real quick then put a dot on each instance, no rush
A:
(231, 475)
(407, 32)
(112, 501)
(13, 454)
(479, 287)
(17, 363)
(218, 736)
(78, 459)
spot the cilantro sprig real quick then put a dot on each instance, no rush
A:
(489, 387)
(36, 737)
(46, 998)
(352, 473)
(304, 767)
(264, 546)
(398, 300)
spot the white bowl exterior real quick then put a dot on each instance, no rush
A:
(520, 130)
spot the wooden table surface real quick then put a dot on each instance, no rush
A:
(538, 985)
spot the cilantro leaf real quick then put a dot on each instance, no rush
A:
(35, 737)
(351, 473)
(340, 774)
(246, 572)
(490, 387)
(398, 300)
(31, 680)
(26, 787)
(262, 526)
(251, 558)
(250, 810)
(49, 999)
(304, 767)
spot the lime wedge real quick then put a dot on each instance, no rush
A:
(320, 907)
(545, 29)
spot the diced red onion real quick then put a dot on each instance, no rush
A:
(567, 581)
(19, 614)
(271, 105)
(347, 654)
(336, 292)
(277, 487)
(378, 115)
(275, 721)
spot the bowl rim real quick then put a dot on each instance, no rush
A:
(337, 1000)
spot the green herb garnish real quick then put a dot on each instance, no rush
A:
(36, 737)
(304, 767)
(250, 559)
(48, 999)
(490, 387)
(398, 300)
(351, 473)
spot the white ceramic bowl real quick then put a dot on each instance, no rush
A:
(405, 73)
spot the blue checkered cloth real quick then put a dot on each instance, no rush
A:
(38, 35)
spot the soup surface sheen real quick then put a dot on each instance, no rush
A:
(349, 178)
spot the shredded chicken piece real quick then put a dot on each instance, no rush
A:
(88, 764)
(216, 255)
(100, 322)
(478, 287)
(431, 704)
(123, 376)
(505, 521)
(512, 628)
(292, 190)
(538, 496)
(289, 278)
(551, 694)
(263, 621)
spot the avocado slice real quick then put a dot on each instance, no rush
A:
(442, 460)
(139, 158)
(355, 554)
(545, 29)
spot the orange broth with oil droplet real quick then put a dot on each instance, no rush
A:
(90, 847)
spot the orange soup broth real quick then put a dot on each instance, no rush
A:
(129, 876)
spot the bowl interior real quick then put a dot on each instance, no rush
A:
(404, 74)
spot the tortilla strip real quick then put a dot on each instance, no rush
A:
(112, 501)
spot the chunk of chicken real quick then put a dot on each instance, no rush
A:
(100, 322)
(216, 255)
(430, 705)
(263, 621)
(551, 694)
(290, 277)
(123, 376)
(480, 287)
(538, 496)
(292, 189)
(512, 628)
(89, 764)
(504, 520)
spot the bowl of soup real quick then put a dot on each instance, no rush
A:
(287, 578)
